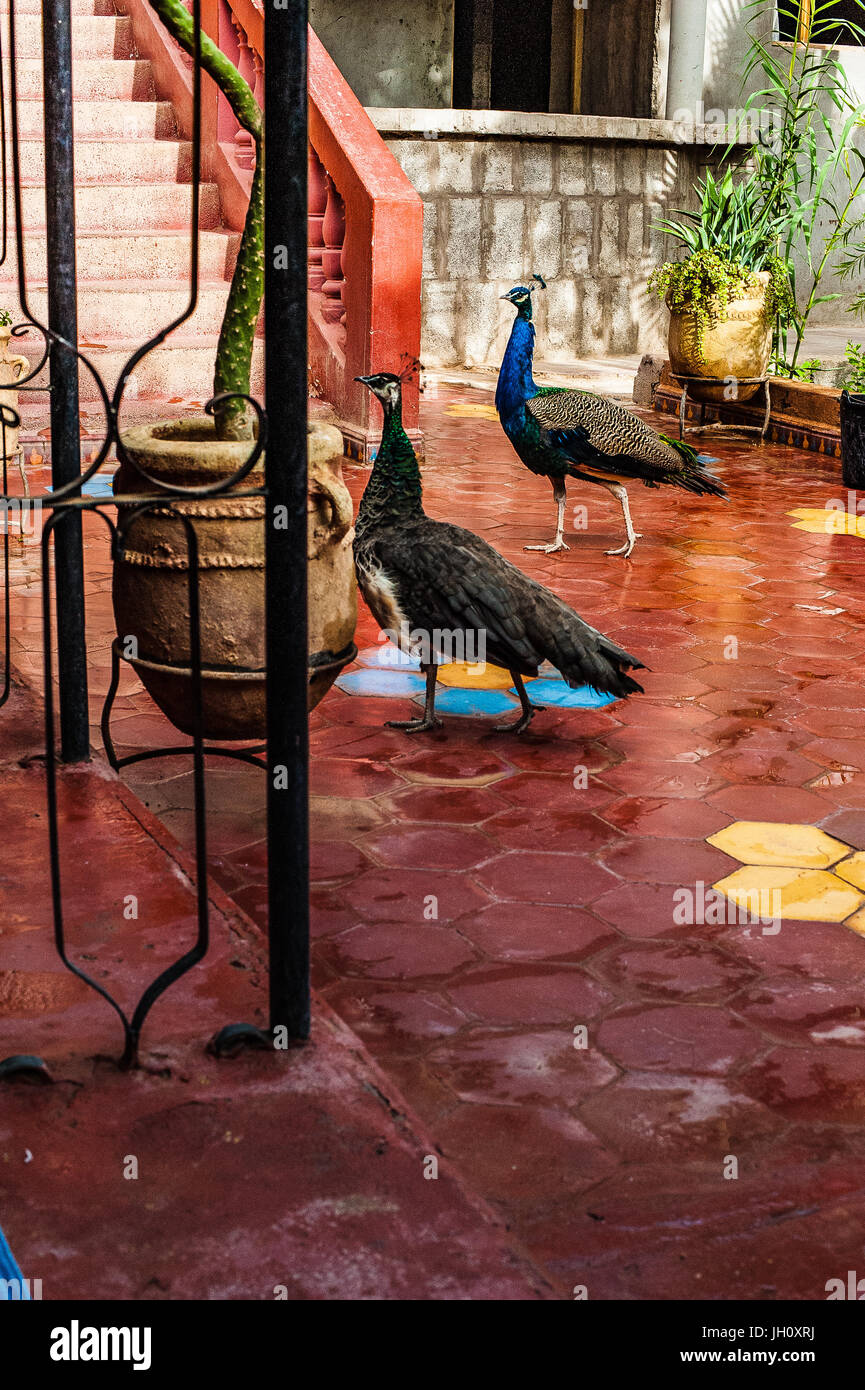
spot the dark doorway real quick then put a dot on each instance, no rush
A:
(503, 54)
(520, 75)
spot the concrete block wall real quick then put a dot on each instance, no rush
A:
(579, 212)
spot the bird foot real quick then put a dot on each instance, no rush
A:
(625, 550)
(522, 723)
(550, 548)
(414, 726)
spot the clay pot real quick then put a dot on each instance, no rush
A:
(12, 366)
(150, 587)
(738, 347)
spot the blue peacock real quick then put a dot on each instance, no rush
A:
(560, 433)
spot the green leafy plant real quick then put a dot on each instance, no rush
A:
(233, 363)
(729, 239)
(807, 170)
(729, 215)
(804, 371)
(5, 318)
(855, 354)
(709, 280)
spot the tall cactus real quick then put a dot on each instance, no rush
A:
(233, 365)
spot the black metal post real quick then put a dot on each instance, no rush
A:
(63, 320)
(285, 301)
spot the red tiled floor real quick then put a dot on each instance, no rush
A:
(479, 897)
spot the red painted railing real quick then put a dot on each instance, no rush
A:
(365, 218)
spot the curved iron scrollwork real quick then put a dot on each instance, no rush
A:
(69, 500)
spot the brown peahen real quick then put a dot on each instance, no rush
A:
(430, 585)
(561, 433)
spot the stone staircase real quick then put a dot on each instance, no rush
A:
(133, 205)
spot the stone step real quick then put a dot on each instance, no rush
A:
(139, 207)
(94, 79)
(181, 368)
(78, 7)
(118, 162)
(152, 255)
(103, 120)
(113, 309)
(93, 36)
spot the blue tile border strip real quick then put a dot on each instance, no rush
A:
(10, 1273)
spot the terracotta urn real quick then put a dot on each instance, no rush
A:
(151, 575)
(12, 367)
(738, 347)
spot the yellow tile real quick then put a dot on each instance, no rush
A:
(471, 676)
(470, 410)
(828, 521)
(857, 922)
(808, 895)
(770, 842)
(853, 870)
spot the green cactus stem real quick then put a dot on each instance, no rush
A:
(233, 365)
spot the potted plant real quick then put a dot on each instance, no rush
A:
(728, 292)
(12, 366)
(150, 585)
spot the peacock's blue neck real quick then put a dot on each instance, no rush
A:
(516, 384)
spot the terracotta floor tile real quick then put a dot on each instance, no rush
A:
(429, 847)
(657, 816)
(519, 1068)
(530, 877)
(666, 861)
(664, 779)
(506, 931)
(542, 995)
(648, 1117)
(560, 830)
(701, 974)
(711, 1040)
(397, 951)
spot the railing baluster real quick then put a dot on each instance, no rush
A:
(315, 218)
(333, 229)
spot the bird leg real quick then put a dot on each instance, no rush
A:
(529, 710)
(560, 494)
(430, 719)
(622, 494)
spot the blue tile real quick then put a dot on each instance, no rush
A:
(9, 1271)
(557, 693)
(472, 703)
(99, 485)
(379, 682)
(388, 658)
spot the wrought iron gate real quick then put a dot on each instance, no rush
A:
(282, 430)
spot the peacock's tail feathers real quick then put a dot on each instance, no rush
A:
(694, 476)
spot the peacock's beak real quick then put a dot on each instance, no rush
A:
(364, 380)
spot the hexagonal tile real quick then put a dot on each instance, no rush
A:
(852, 870)
(827, 521)
(471, 676)
(519, 1068)
(658, 1039)
(804, 895)
(778, 842)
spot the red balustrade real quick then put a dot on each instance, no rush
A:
(365, 218)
